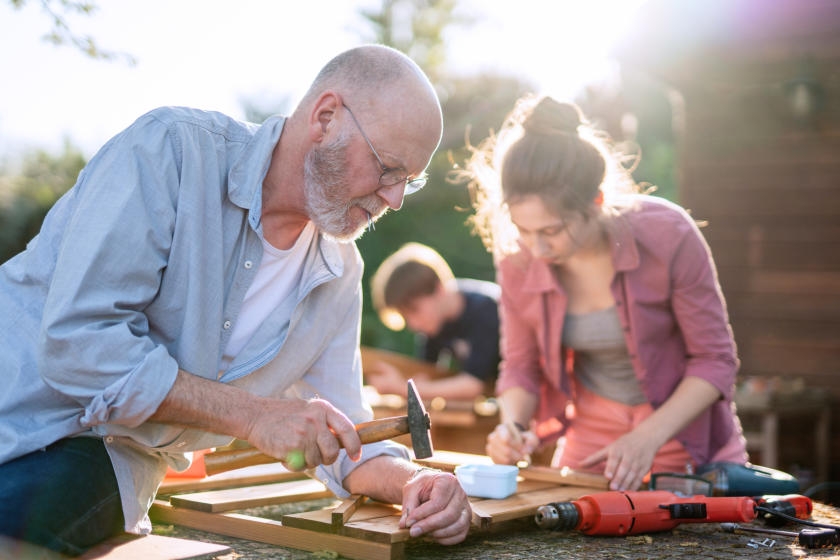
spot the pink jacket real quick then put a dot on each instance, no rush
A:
(671, 308)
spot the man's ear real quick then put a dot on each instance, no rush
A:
(322, 115)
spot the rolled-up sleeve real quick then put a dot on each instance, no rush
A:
(337, 378)
(95, 344)
(520, 366)
(700, 311)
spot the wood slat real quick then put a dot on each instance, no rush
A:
(253, 496)
(521, 505)
(153, 547)
(258, 474)
(372, 521)
(342, 512)
(275, 532)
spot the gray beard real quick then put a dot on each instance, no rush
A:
(325, 187)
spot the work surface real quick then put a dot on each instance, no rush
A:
(515, 537)
(523, 539)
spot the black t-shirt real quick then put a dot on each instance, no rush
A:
(470, 343)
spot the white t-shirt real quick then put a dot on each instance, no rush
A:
(277, 277)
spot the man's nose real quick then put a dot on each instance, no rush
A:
(393, 195)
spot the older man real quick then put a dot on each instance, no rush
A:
(201, 279)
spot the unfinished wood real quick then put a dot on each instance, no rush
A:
(372, 521)
(253, 496)
(275, 532)
(565, 476)
(343, 511)
(448, 460)
(525, 504)
(408, 366)
(153, 547)
(258, 474)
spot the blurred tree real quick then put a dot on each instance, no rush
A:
(58, 11)
(472, 107)
(416, 28)
(636, 112)
(27, 196)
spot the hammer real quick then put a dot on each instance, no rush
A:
(416, 422)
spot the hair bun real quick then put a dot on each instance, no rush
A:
(550, 116)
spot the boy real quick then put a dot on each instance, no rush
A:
(456, 323)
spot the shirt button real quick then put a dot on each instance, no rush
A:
(248, 264)
(226, 325)
(109, 439)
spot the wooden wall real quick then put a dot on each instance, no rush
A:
(766, 181)
(769, 187)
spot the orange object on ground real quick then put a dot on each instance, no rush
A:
(195, 470)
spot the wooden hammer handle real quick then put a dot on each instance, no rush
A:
(369, 432)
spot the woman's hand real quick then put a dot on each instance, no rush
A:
(628, 460)
(508, 448)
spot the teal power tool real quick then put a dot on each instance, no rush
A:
(727, 479)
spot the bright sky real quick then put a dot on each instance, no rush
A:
(213, 54)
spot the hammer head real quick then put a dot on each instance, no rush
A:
(419, 424)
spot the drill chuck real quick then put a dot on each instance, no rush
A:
(560, 516)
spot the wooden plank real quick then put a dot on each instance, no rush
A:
(253, 496)
(521, 505)
(257, 474)
(448, 460)
(153, 547)
(275, 532)
(372, 521)
(343, 511)
(565, 476)
(407, 365)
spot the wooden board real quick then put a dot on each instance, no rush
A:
(361, 528)
(407, 365)
(253, 496)
(121, 547)
(274, 532)
(372, 521)
(257, 474)
(448, 460)
(154, 547)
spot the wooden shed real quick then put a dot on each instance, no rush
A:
(758, 118)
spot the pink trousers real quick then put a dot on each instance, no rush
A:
(599, 421)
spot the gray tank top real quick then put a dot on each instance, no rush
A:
(602, 363)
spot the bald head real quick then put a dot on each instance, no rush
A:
(381, 82)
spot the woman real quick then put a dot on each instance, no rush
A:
(614, 328)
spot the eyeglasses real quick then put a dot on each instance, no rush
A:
(390, 175)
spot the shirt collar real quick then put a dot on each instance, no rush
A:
(248, 172)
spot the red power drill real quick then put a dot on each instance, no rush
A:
(616, 513)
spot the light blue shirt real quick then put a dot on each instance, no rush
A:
(140, 269)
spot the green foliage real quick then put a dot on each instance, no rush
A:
(416, 28)
(61, 33)
(26, 197)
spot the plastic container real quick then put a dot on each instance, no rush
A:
(487, 481)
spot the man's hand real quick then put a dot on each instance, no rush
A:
(434, 504)
(304, 434)
(301, 434)
(386, 379)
